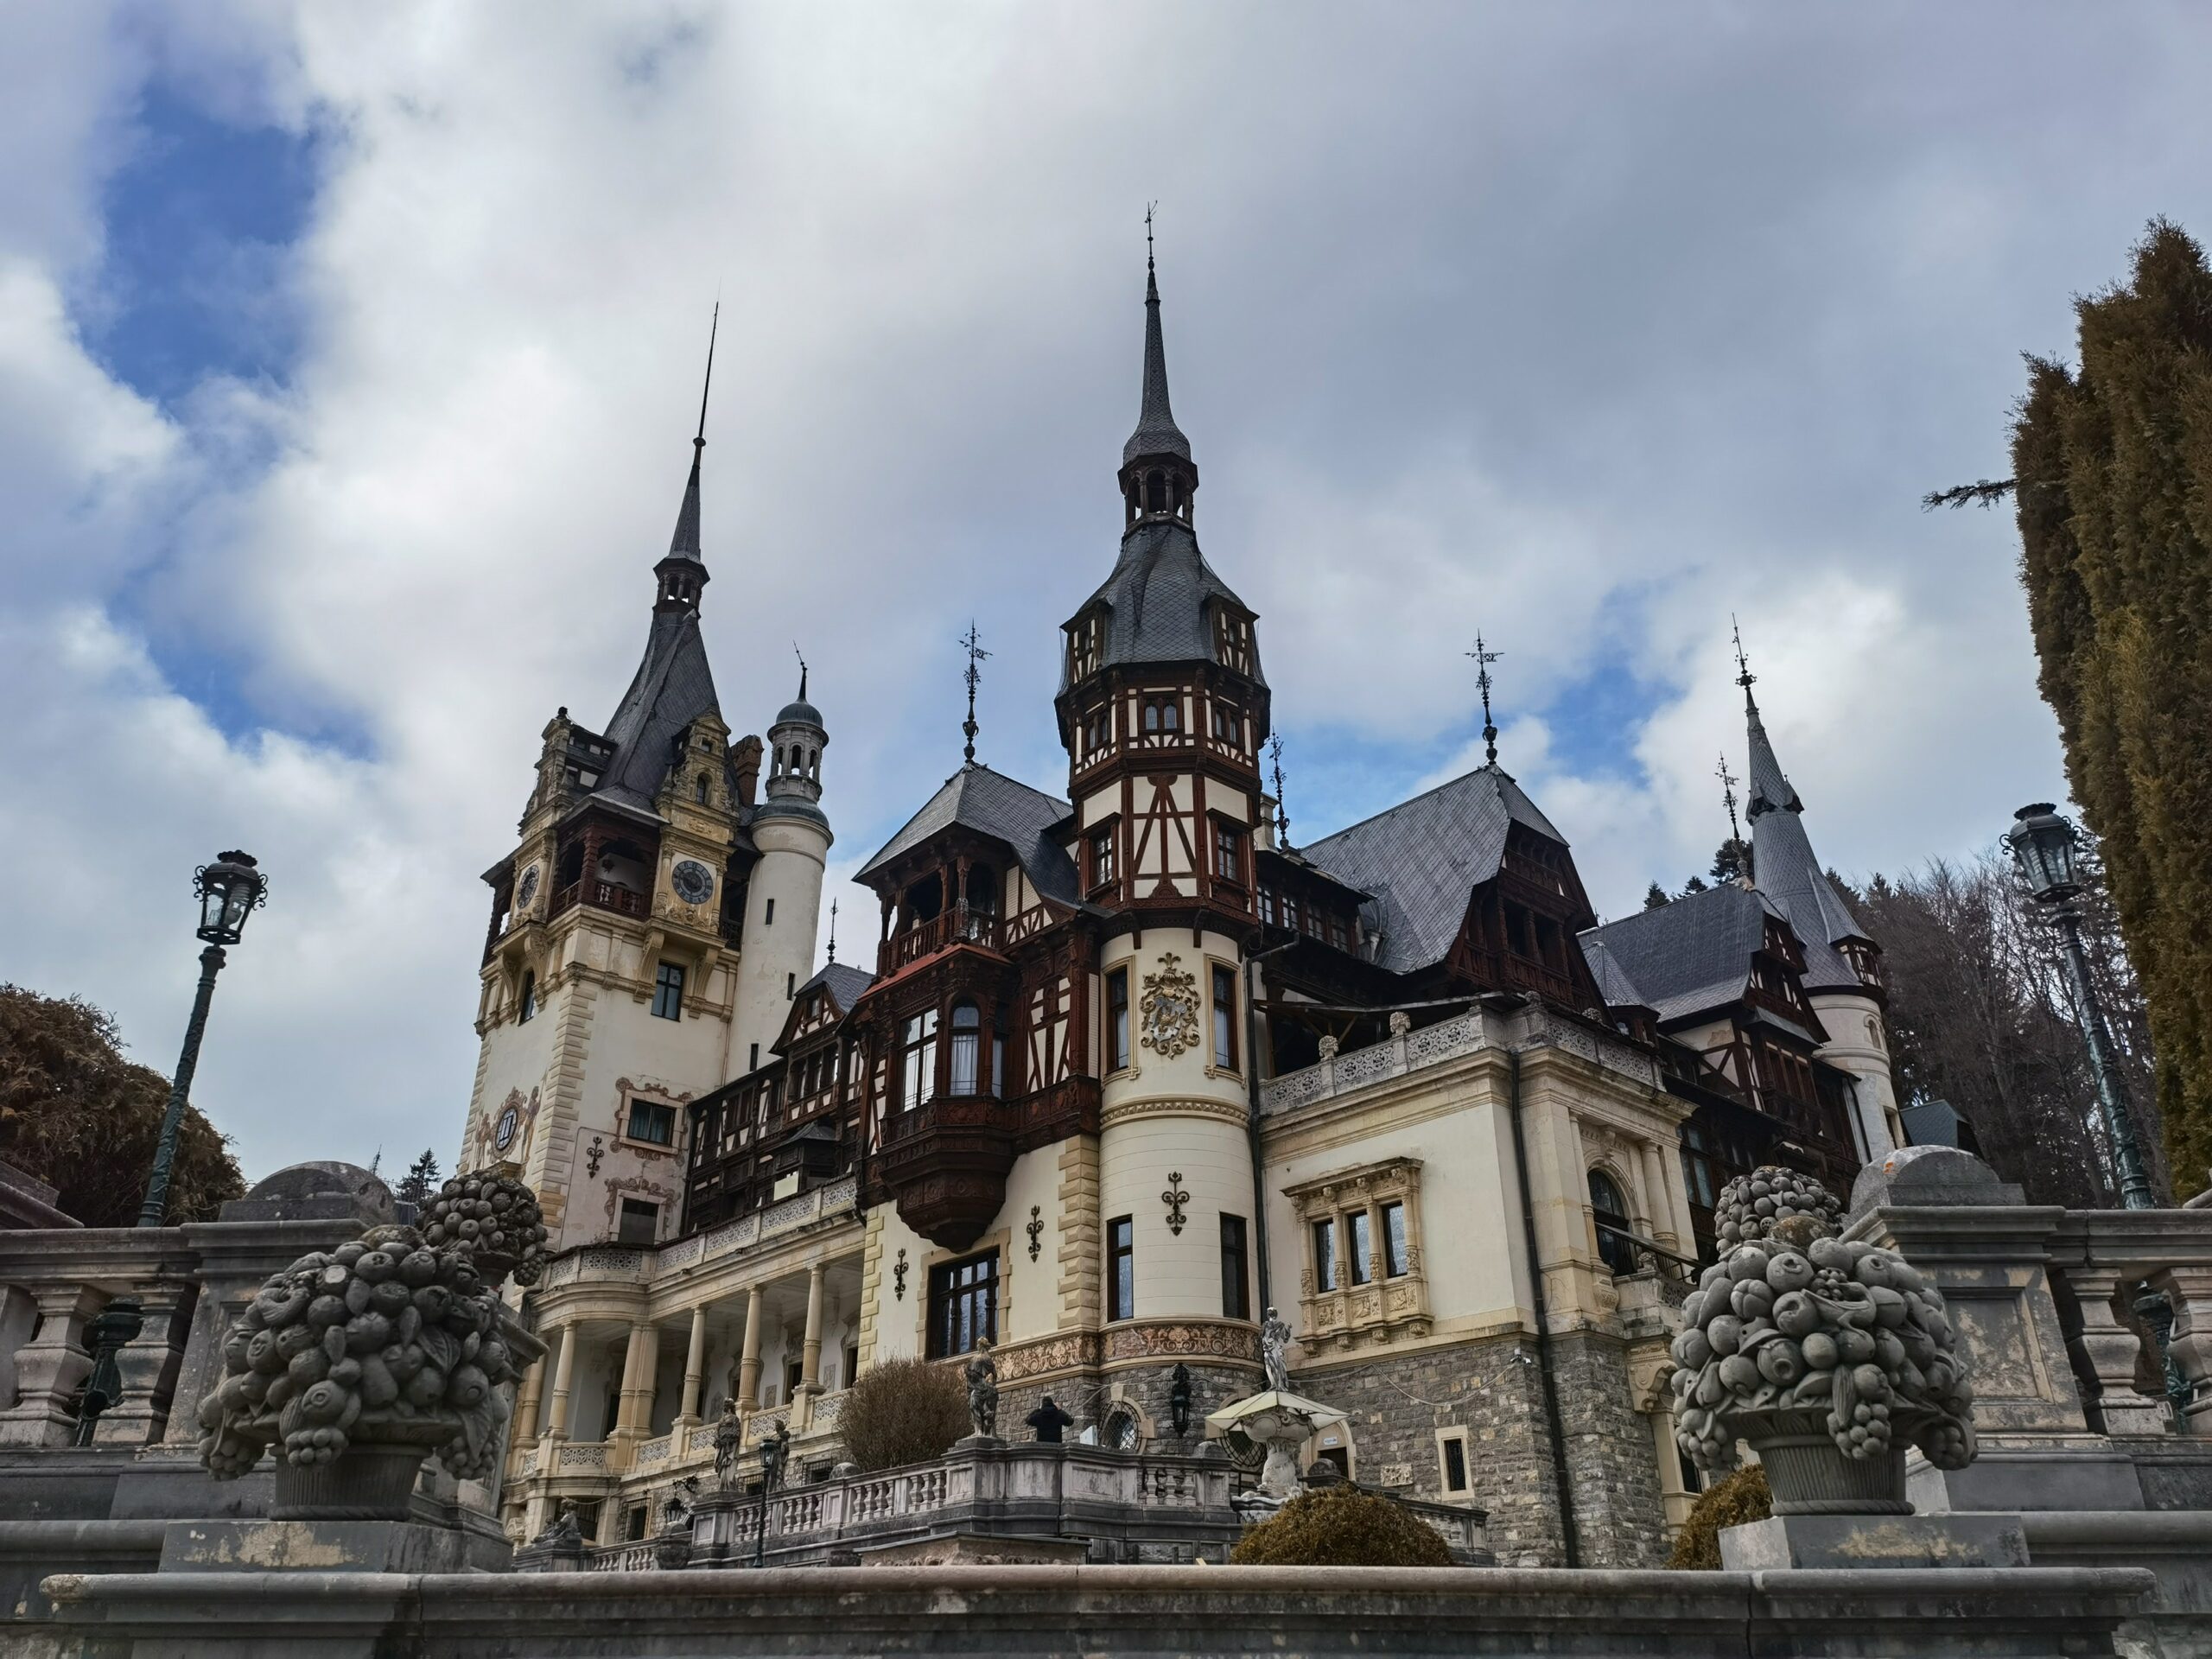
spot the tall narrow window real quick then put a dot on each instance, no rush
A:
(1454, 1445)
(768, 914)
(1397, 1258)
(1324, 1255)
(1361, 1247)
(790, 986)
(753, 1057)
(1224, 1018)
(920, 1055)
(1607, 1206)
(1229, 852)
(963, 1305)
(1235, 1295)
(1118, 1020)
(1101, 856)
(667, 991)
(967, 1043)
(529, 998)
(1121, 1270)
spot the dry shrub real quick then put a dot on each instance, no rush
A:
(1742, 1496)
(903, 1411)
(1342, 1525)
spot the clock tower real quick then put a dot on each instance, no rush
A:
(646, 930)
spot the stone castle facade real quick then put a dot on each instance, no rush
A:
(1129, 1069)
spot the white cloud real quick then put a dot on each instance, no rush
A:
(1588, 337)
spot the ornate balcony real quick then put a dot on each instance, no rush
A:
(945, 1162)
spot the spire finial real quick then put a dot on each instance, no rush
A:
(714, 327)
(1744, 675)
(833, 930)
(1283, 809)
(1728, 782)
(801, 655)
(1483, 659)
(1151, 207)
(972, 642)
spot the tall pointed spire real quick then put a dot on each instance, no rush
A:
(1157, 433)
(684, 544)
(1770, 791)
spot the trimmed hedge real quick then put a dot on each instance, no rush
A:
(1742, 1496)
(1342, 1525)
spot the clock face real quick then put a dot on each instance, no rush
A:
(526, 889)
(503, 1132)
(693, 881)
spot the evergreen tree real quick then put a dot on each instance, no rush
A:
(1732, 862)
(1695, 884)
(1654, 897)
(2114, 463)
(421, 1179)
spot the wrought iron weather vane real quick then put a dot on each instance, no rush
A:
(1282, 808)
(1483, 659)
(1744, 678)
(972, 642)
(1728, 782)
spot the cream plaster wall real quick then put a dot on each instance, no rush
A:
(1856, 1043)
(781, 953)
(1033, 1309)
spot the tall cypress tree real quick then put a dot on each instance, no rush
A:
(2114, 471)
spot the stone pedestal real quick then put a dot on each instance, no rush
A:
(1865, 1541)
(328, 1546)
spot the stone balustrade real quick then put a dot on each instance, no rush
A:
(1480, 1027)
(618, 1264)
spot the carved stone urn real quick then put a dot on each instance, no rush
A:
(356, 1363)
(1826, 1358)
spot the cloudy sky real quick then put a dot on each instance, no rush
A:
(349, 355)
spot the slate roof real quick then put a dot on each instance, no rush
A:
(684, 543)
(994, 804)
(1784, 868)
(1157, 433)
(672, 687)
(845, 982)
(1421, 860)
(1156, 598)
(1686, 957)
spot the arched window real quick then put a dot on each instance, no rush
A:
(1155, 492)
(967, 1044)
(699, 788)
(918, 1040)
(1606, 1205)
(529, 1005)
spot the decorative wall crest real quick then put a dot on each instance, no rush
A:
(1035, 1229)
(1168, 1011)
(899, 1275)
(1175, 1198)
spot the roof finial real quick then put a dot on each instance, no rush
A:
(801, 655)
(1728, 782)
(973, 642)
(1483, 659)
(714, 327)
(1150, 208)
(1744, 675)
(1282, 811)
(833, 930)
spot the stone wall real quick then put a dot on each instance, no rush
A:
(1492, 1388)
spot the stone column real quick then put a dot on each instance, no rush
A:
(695, 1362)
(49, 1367)
(626, 1408)
(748, 1364)
(1658, 1198)
(1378, 1249)
(810, 1353)
(2109, 1349)
(564, 1365)
(147, 1368)
(641, 1421)
(527, 1400)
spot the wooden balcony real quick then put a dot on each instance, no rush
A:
(945, 1162)
(959, 926)
(600, 895)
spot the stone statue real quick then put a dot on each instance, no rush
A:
(382, 1352)
(1048, 1420)
(729, 1436)
(1275, 1344)
(563, 1531)
(983, 1390)
(1797, 1334)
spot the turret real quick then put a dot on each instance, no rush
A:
(782, 903)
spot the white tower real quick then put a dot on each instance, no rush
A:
(783, 902)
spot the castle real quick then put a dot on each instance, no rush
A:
(1129, 1070)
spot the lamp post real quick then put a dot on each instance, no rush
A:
(2043, 843)
(774, 1447)
(229, 891)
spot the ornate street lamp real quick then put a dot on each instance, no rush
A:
(2043, 844)
(775, 1448)
(229, 890)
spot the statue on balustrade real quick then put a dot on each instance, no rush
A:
(729, 1436)
(983, 1391)
(1275, 1351)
